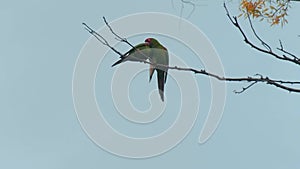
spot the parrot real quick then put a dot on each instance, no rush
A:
(139, 53)
(158, 55)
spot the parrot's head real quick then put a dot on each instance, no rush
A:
(152, 42)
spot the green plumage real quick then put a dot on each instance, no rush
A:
(139, 53)
(159, 55)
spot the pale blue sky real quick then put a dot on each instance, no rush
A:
(40, 43)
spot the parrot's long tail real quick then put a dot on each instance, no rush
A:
(161, 83)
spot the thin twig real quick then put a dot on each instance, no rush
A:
(254, 32)
(113, 32)
(244, 88)
(286, 52)
(100, 38)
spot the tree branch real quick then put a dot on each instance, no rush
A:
(253, 80)
(244, 88)
(100, 38)
(268, 50)
(286, 52)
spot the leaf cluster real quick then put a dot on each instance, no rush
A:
(273, 11)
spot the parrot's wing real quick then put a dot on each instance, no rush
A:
(162, 58)
(167, 64)
(138, 50)
(140, 46)
(151, 71)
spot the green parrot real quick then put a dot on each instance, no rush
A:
(139, 53)
(159, 55)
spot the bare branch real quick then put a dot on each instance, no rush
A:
(100, 38)
(286, 52)
(119, 38)
(244, 88)
(268, 49)
(254, 32)
(253, 80)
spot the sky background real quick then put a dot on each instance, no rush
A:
(40, 42)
